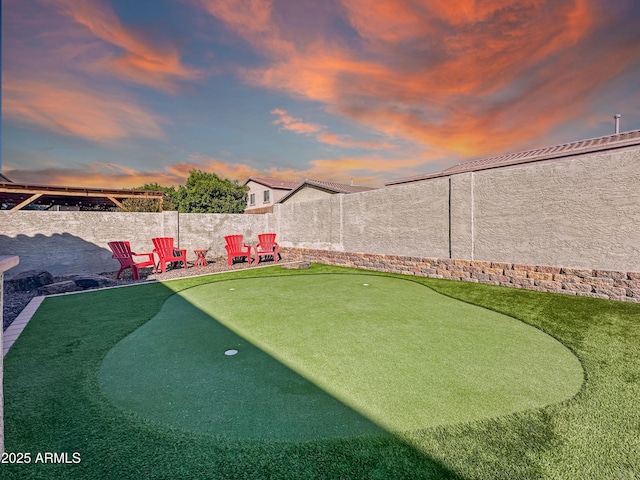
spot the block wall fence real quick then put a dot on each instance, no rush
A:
(579, 212)
(77, 242)
(570, 224)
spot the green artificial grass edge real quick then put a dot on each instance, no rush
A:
(53, 403)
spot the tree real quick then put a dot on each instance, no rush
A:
(208, 193)
(150, 204)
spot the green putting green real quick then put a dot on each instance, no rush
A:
(331, 356)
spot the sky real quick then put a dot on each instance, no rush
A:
(119, 93)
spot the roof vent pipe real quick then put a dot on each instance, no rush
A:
(616, 119)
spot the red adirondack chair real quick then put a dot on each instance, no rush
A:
(167, 253)
(267, 246)
(236, 249)
(122, 252)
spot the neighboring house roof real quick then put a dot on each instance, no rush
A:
(329, 187)
(273, 183)
(22, 194)
(4, 179)
(598, 144)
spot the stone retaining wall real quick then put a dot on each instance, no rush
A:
(573, 281)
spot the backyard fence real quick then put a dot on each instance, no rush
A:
(580, 212)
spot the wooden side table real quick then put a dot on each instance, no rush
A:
(201, 258)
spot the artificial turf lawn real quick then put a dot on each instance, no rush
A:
(328, 356)
(54, 402)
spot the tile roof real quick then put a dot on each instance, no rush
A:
(337, 187)
(331, 187)
(608, 142)
(273, 182)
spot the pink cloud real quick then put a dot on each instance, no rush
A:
(98, 175)
(287, 122)
(346, 141)
(70, 109)
(466, 77)
(296, 125)
(252, 20)
(142, 61)
(362, 170)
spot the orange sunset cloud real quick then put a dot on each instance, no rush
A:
(110, 175)
(468, 76)
(97, 175)
(116, 93)
(70, 109)
(287, 122)
(296, 125)
(141, 61)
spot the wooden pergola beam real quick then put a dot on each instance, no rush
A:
(83, 193)
(27, 201)
(14, 193)
(118, 204)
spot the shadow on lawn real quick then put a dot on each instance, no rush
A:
(59, 253)
(197, 413)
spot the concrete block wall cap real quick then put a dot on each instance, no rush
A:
(8, 261)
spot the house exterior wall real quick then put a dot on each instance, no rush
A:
(275, 194)
(307, 194)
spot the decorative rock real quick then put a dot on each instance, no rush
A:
(60, 287)
(30, 280)
(296, 266)
(86, 283)
(89, 280)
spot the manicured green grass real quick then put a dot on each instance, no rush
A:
(54, 401)
(324, 356)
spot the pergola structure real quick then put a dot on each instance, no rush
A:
(19, 195)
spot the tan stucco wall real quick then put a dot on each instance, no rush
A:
(581, 211)
(407, 220)
(258, 189)
(76, 242)
(307, 194)
(313, 224)
(207, 230)
(72, 242)
(377, 221)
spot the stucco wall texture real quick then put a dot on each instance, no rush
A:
(306, 194)
(76, 242)
(579, 212)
